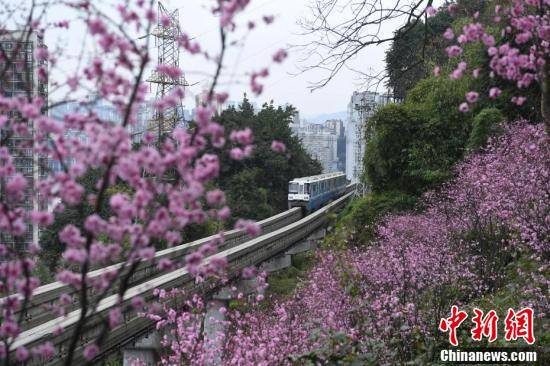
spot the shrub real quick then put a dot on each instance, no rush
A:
(441, 139)
(362, 215)
(386, 155)
(485, 125)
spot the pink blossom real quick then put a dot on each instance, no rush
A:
(215, 197)
(243, 137)
(22, 354)
(472, 96)
(278, 146)
(236, 154)
(41, 54)
(137, 302)
(9, 329)
(431, 11)
(456, 74)
(164, 264)
(170, 71)
(97, 26)
(115, 317)
(45, 350)
(488, 40)
(519, 100)
(464, 107)
(494, 92)
(449, 34)
(75, 255)
(62, 24)
(280, 55)
(251, 227)
(41, 218)
(268, 19)
(16, 184)
(165, 20)
(224, 213)
(90, 352)
(249, 272)
(454, 51)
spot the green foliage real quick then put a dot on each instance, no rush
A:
(386, 155)
(485, 124)
(283, 282)
(441, 139)
(403, 63)
(257, 187)
(358, 221)
(42, 272)
(408, 59)
(245, 199)
(416, 144)
(51, 246)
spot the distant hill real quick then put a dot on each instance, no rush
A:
(320, 118)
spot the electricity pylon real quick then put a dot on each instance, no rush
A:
(166, 33)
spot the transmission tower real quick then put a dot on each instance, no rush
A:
(166, 36)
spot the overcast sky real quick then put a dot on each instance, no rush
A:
(282, 86)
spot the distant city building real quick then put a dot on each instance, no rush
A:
(296, 119)
(337, 127)
(21, 76)
(360, 109)
(321, 142)
(107, 112)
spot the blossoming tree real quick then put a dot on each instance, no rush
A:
(521, 55)
(167, 179)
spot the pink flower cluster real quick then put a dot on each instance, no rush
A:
(167, 180)
(388, 298)
(257, 337)
(526, 22)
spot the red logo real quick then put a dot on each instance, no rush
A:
(485, 326)
(451, 323)
(519, 325)
(516, 325)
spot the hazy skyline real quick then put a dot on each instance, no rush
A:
(286, 84)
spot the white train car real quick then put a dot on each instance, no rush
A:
(314, 192)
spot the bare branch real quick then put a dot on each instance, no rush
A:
(342, 29)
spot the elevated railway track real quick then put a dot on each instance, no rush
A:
(279, 233)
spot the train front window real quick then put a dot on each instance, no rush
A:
(293, 188)
(306, 190)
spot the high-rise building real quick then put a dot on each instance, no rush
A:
(19, 70)
(320, 142)
(336, 126)
(358, 129)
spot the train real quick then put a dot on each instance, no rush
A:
(313, 192)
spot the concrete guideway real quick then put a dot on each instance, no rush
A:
(239, 255)
(47, 295)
